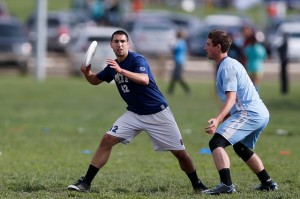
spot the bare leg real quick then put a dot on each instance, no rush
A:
(103, 152)
(255, 164)
(221, 158)
(185, 161)
(187, 165)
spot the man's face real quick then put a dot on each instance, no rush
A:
(211, 50)
(120, 45)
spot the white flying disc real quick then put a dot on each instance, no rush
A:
(90, 53)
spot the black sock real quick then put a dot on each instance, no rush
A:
(193, 178)
(225, 176)
(90, 174)
(264, 177)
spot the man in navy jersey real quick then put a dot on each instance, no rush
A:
(147, 110)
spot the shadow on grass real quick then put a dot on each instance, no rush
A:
(27, 187)
(152, 190)
(285, 104)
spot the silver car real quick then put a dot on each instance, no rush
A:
(292, 29)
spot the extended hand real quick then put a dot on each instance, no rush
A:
(212, 127)
(85, 69)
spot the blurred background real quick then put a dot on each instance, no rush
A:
(152, 25)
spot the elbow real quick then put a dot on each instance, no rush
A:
(145, 80)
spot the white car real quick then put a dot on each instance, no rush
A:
(154, 38)
(85, 36)
(292, 29)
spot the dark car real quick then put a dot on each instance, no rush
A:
(14, 44)
(59, 28)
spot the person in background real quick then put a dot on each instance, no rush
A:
(284, 60)
(255, 54)
(147, 110)
(179, 56)
(241, 119)
(247, 32)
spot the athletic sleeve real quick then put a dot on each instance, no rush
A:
(106, 74)
(141, 65)
(229, 79)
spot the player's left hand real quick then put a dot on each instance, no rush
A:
(212, 127)
(113, 64)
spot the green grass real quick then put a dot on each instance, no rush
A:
(46, 127)
(22, 9)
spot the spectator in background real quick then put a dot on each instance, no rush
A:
(179, 56)
(255, 54)
(283, 55)
(247, 32)
(97, 9)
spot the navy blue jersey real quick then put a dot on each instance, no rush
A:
(141, 99)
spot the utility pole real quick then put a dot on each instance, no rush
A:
(41, 42)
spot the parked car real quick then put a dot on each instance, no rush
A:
(79, 45)
(271, 28)
(133, 23)
(292, 29)
(15, 47)
(154, 38)
(59, 28)
(230, 23)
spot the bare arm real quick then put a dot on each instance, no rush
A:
(139, 78)
(89, 75)
(230, 101)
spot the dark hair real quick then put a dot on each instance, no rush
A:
(119, 32)
(222, 38)
(252, 38)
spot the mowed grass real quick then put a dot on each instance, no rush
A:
(49, 131)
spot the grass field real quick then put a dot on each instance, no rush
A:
(50, 130)
(22, 9)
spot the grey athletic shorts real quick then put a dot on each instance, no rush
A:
(161, 128)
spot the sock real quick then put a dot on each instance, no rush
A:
(264, 177)
(225, 176)
(90, 174)
(193, 178)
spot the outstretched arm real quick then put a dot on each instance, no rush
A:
(89, 75)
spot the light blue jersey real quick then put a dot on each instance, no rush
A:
(249, 115)
(232, 76)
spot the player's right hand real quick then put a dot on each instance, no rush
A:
(85, 69)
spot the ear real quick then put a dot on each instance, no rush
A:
(219, 47)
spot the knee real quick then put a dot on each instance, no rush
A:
(109, 140)
(218, 141)
(181, 154)
(242, 151)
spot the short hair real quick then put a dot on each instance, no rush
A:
(222, 38)
(119, 32)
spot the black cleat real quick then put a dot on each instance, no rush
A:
(199, 187)
(79, 186)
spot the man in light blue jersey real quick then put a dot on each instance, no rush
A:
(241, 119)
(147, 110)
